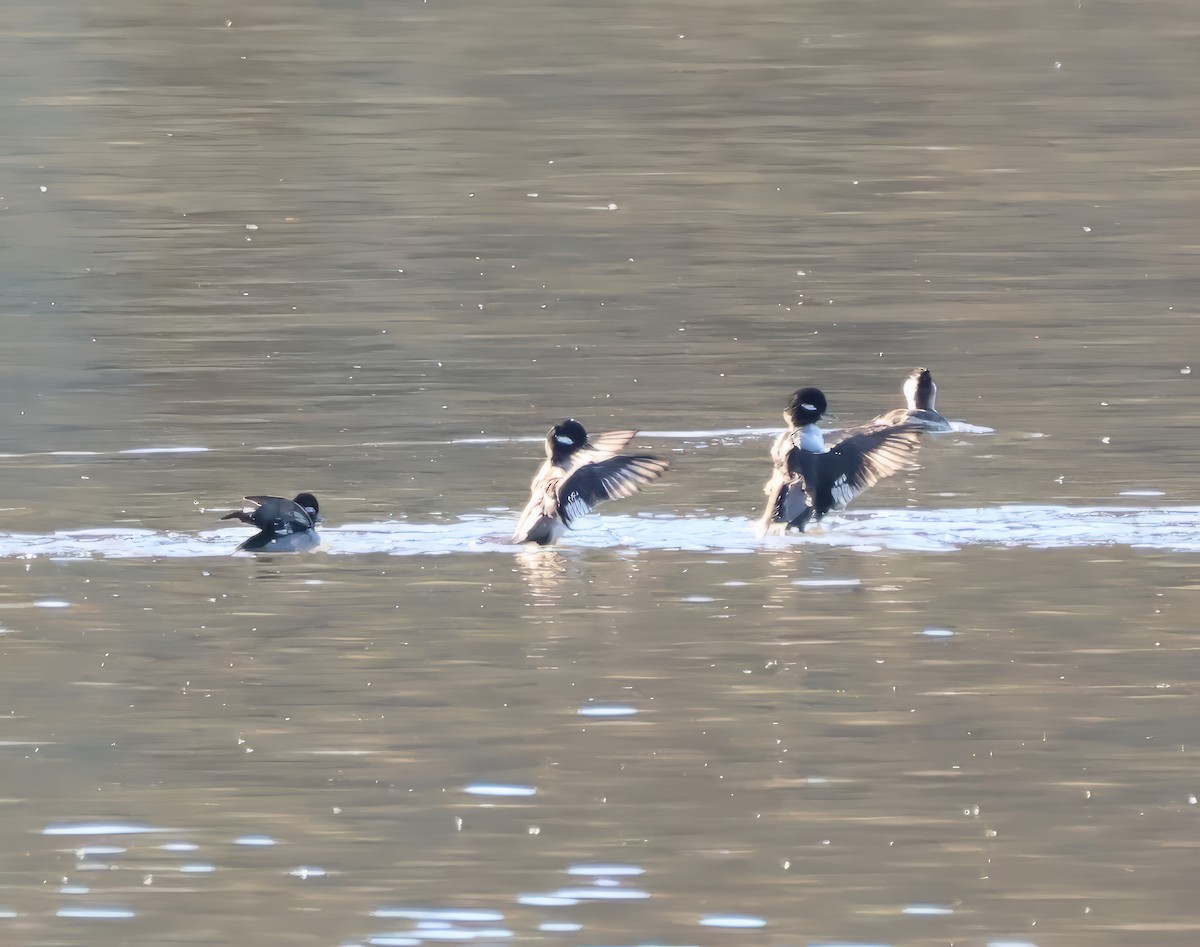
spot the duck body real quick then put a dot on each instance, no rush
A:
(812, 476)
(578, 474)
(283, 525)
(920, 393)
(281, 542)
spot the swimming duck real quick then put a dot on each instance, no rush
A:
(811, 478)
(920, 392)
(284, 525)
(579, 473)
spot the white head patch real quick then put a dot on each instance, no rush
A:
(809, 407)
(563, 439)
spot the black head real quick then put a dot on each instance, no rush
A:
(805, 407)
(919, 389)
(565, 438)
(308, 503)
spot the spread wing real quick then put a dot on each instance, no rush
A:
(862, 458)
(605, 480)
(929, 421)
(609, 443)
(895, 416)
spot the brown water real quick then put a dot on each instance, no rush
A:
(367, 249)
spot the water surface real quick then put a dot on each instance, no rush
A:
(373, 250)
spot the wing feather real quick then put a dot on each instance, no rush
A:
(609, 479)
(864, 456)
(278, 514)
(929, 421)
(608, 444)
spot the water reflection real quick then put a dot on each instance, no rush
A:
(607, 711)
(99, 828)
(96, 913)
(495, 789)
(545, 571)
(733, 921)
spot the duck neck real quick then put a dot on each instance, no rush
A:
(920, 396)
(811, 439)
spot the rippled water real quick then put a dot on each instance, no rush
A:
(372, 250)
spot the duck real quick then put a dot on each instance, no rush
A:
(920, 392)
(812, 477)
(580, 472)
(283, 525)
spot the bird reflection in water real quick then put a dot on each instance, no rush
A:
(546, 572)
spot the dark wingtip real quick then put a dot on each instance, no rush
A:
(239, 515)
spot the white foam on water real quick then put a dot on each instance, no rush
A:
(908, 530)
(963, 427)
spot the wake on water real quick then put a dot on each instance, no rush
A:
(1034, 527)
